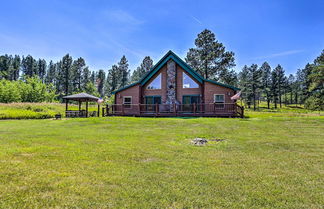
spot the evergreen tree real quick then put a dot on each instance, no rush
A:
(65, 74)
(124, 72)
(50, 77)
(100, 82)
(315, 78)
(291, 87)
(77, 70)
(113, 79)
(29, 66)
(255, 82)
(228, 77)
(209, 58)
(93, 77)
(266, 81)
(280, 75)
(145, 66)
(274, 87)
(41, 69)
(15, 68)
(5, 66)
(86, 78)
(244, 84)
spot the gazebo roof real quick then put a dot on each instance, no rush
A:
(81, 97)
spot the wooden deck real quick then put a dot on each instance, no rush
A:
(175, 110)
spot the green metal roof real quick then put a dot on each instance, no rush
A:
(224, 85)
(179, 61)
(126, 87)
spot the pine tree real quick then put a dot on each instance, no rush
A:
(228, 77)
(86, 78)
(145, 66)
(315, 78)
(5, 66)
(291, 87)
(41, 69)
(77, 70)
(100, 82)
(93, 77)
(65, 74)
(274, 87)
(50, 77)
(209, 58)
(244, 84)
(124, 72)
(255, 82)
(113, 78)
(29, 66)
(16, 68)
(280, 81)
(266, 81)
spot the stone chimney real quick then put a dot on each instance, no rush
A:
(171, 82)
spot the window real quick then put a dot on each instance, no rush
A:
(156, 83)
(127, 101)
(219, 100)
(188, 82)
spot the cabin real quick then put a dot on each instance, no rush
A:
(173, 88)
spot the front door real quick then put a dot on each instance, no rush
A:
(188, 101)
(150, 102)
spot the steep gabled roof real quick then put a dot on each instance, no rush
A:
(179, 61)
(163, 61)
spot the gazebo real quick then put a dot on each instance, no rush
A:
(81, 97)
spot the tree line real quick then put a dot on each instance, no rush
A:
(68, 76)
(209, 58)
(273, 86)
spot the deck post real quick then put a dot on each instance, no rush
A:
(175, 109)
(123, 109)
(86, 109)
(156, 108)
(139, 109)
(194, 108)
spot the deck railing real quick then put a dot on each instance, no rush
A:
(211, 109)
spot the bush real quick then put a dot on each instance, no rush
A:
(30, 110)
(32, 90)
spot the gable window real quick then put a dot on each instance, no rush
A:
(156, 83)
(219, 100)
(127, 101)
(188, 82)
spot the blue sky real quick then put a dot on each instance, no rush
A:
(290, 33)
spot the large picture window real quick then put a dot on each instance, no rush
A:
(127, 101)
(188, 82)
(156, 83)
(219, 100)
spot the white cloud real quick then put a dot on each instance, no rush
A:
(196, 19)
(121, 16)
(279, 54)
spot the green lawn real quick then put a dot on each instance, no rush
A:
(116, 162)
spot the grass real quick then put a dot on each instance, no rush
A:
(121, 162)
(35, 110)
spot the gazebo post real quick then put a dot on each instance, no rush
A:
(79, 105)
(87, 108)
(66, 104)
(98, 110)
